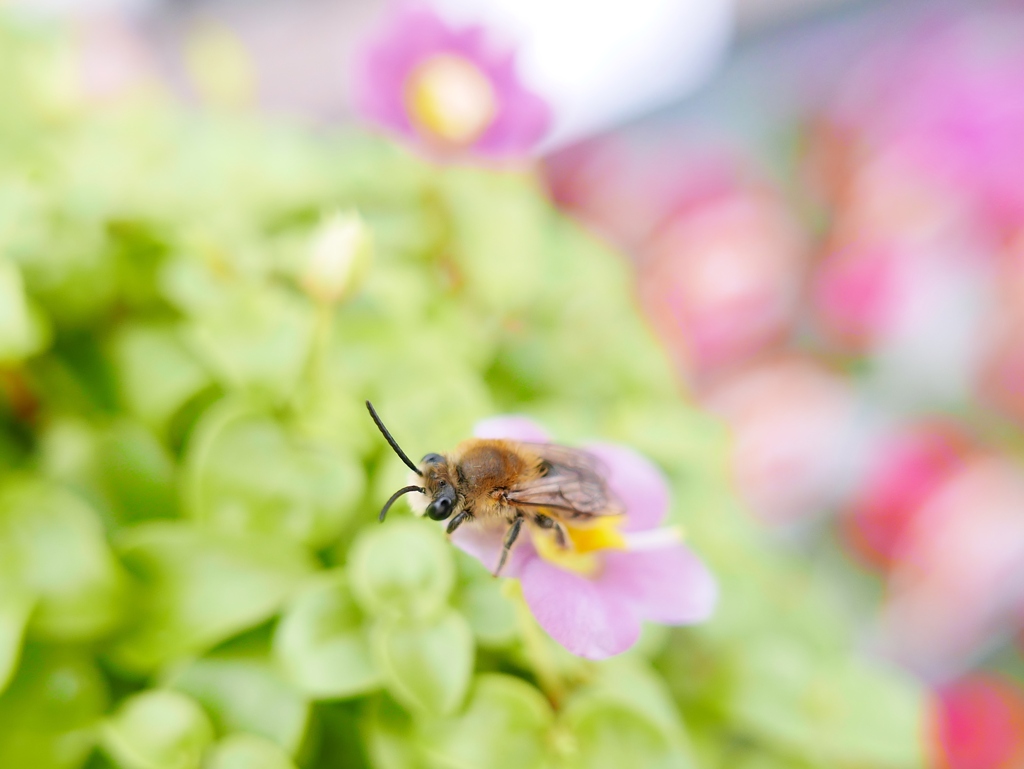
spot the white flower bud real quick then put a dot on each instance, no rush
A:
(339, 257)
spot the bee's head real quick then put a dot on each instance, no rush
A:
(433, 473)
(439, 486)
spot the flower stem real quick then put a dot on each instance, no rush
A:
(321, 342)
(537, 647)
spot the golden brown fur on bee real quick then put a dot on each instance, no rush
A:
(482, 472)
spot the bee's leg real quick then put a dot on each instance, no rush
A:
(561, 538)
(458, 520)
(510, 538)
(546, 522)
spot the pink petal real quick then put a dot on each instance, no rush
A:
(637, 482)
(670, 585)
(405, 38)
(413, 33)
(522, 121)
(582, 615)
(485, 542)
(512, 427)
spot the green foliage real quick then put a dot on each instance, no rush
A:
(246, 751)
(427, 665)
(505, 725)
(321, 642)
(157, 729)
(191, 570)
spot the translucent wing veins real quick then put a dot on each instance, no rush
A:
(574, 483)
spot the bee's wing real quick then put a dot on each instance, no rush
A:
(573, 485)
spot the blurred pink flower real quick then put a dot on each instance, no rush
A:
(906, 469)
(954, 111)
(958, 586)
(979, 724)
(921, 171)
(1001, 379)
(794, 436)
(904, 258)
(455, 90)
(857, 294)
(721, 275)
(593, 603)
(601, 182)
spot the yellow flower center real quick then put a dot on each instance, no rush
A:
(584, 544)
(450, 99)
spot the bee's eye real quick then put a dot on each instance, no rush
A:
(439, 509)
(432, 459)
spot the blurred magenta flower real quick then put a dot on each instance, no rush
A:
(954, 112)
(795, 435)
(455, 90)
(721, 275)
(979, 724)
(957, 588)
(857, 293)
(906, 469)
(593, 598)
(1001, 377)
(904, 261)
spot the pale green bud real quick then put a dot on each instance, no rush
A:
(339, 256)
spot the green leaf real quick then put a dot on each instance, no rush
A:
(137, 473)
(245, 694)
(50, 709)
(608, 733)
(771, 678)
(320, 643)
(24, 330)
(630, 681)
(505, 726)
(870, 716)
(402, 567)
(388, 736)
(498, 225)
(15, 608)
(426, 666)
(257, 339)
(838, 711)
(53, 547)
(157, 729)
(247, 751)
(490, 613)
(199, 588)
(625, 714)
(249, 472)
(156, 372)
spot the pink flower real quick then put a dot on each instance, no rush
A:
(907, 469)
(954, 109)
(1001, 377)
(979, 724)
(795, 431)
(858, 292)
(453, 89)
(720, 275)
(957, 588)
(593, 603)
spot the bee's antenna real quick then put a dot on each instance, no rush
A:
(396, 495)
(395, 446)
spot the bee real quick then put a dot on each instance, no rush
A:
(500, 481)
